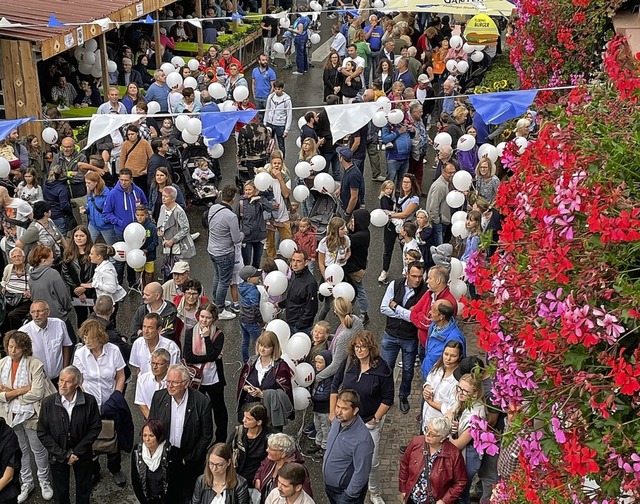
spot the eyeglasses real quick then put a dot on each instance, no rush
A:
(162, 363)
(175, 383)
(360, 347)
(431, 434)
(191, 293)
(217, 465)
(460, 390)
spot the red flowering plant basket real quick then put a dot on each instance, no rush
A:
(559, 305)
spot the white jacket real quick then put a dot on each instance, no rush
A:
(105, 282)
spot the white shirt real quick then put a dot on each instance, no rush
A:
(444, 391)
(141, 355)
(339, 44)
(48, 343)
(358, 60)
(275, 498)
(146, 386)
(99, 373)
(337, 257)
(178, 412)
(69, 405)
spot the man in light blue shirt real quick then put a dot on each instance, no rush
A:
(159, 91)
(263, 78)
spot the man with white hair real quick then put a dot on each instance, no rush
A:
(159, 90)
(129, 75)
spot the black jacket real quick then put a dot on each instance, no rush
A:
(77, 272)
(323, 129)
(197, 431)
(168, 316)
(63, 437)
(135, 77)
(301, 303)
(202, 494)
(213, 349)
(150, 487)
(360, 240)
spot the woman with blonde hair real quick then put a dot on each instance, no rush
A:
(220, 483)
(281, 223)
(335, 248)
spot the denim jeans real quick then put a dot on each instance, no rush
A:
(306, 330)
(391, 347)
(338, 496)
(437, 234)
(109, 235)
(250, 333)
(30, 443)
(223, 272)
(261, 104)
(278, 132)
(333, 162)
(374, 475)
(473, 464)
(396, 168)
(252, 253)
(321, 424)
(302, 62)
(61, 224)
(361, 294)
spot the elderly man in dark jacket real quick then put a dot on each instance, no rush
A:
(68, 425)
(301, 303)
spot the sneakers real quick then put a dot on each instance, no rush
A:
(227, 304)
(404, 405)
(226, 315)
(365, 318)
(383, 277)
(297, 73)
(119, 478)
(235, 307)
(379, 178)
(47, 491)
(312, 450)
(286, 67)
(25, 491)
(195, 236)
(332, 16)
(376, 498)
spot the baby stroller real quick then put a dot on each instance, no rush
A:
(324, 209)
(202, 192)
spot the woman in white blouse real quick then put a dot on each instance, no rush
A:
(105, 277)
(439, 389)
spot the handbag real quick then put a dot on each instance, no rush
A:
(107, 441)
(237, 438)
(13, 299)
(195, 374)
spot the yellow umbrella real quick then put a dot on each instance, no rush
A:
(459, 7)
(481, 30)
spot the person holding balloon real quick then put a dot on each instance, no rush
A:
(174, 231)
(105, 278)
(281, 192)
(335, 248)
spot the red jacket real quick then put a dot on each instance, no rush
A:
(448, 473)
(307, 242)
(420, 313)
(223, 63)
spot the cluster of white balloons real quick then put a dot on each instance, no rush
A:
(334, 285)
(295, 348)
(474, 51)
(459, 67)
(459, 224)
(457, 285)
(385, 114)
(191, 127)
(129, 250)
(89, 60)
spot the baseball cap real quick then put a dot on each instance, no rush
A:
(423, 79)
(345, 152)
(248, 272)
(181, 267)
(467, 366)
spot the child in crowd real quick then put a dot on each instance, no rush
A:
(29, 189)
(387, 192)
(473, 225)
(6, 151)
(320, 396)
(424, 236)
(170, 132)
(319, 340)
(250, 318)
(408, 236)
(202, 174)
(287, 41)
(306, 240)
(294, 217)
(408, 258)
(148, 247)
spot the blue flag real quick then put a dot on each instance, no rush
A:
(53, 22)
(9, 125)
(496, 108)
(218, 126)
(148, 20)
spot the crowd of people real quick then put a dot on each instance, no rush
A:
(65, 375)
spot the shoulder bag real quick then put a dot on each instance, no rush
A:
(107, 441)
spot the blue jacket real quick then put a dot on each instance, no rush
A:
(249, 303)
(95, 209)
(117, 409)
(436, 342)
(401, 142)
(56, 192)
(321, 392)
(252, 218)
(120, 207)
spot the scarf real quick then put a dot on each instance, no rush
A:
(153, 461)
(198, 346)
(19, 412)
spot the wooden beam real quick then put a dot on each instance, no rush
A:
(156, 39)
(199, 29)
(102, 45)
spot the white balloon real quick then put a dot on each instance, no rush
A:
(96, 71)
(379, 217)
(324, 183)
(522, 144)
(452, 66)
(167, 68)
(121, 249)
(193, 64)
(378, 4)
(136, 258)
(181, 121)
(263, 181)
(441, 139)
(466, 142)
(228, 106)
(217, 91)
(385, 104)
(379, 119)
(50, 135)
(456, 269)
(300, 193)
(174, 79)
(456, 42)
(458, 288)
(462, 180)
(111, 66)
(78, 53)
(334, 274)
(84, 68)
(315, 38)
(455, 199)
(305, 374)
(194, 126)
(459, 229)
(89, 58)
(396, 116)
(313, 5)
(188, 137)
(500, 148)
(276, 283)
(301, 122)
(462, 66)
(299, 142)
(285, 357)
(91, 45)
(284, 23)
(216, 151)
(460, 215)
(287, 248)
(98, 56)
(190, 82)
(267, 311)
(134, 235)
(318, 163)
(467, 48)
(301, 398)
(477, 56)
(303, 169)
(153, 107)
(241, 93)
(5, 168)
(282, 331)
(345, 290)
(283, 267)
(177, 61)
(488, 150)
(298, 346)
(325, 289)
(278, 47)
(288, 184)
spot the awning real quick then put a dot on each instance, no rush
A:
(460, 7)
